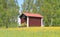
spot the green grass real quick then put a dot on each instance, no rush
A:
(27, 33)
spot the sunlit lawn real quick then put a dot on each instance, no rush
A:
(31, 32)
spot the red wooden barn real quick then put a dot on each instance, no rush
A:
(31, 19)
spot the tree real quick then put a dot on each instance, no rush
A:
(9, 11)
(50, 9)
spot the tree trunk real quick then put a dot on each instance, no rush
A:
(51, 22)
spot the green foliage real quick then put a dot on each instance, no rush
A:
(8, 12)
(24, 24)
(50, 9)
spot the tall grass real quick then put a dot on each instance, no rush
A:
(31, 32)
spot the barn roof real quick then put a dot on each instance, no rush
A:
(32, 15)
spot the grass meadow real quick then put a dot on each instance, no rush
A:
(30, 32)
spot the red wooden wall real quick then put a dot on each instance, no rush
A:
(34, 21)
(23, 20)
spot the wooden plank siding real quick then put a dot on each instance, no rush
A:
(33, 21)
